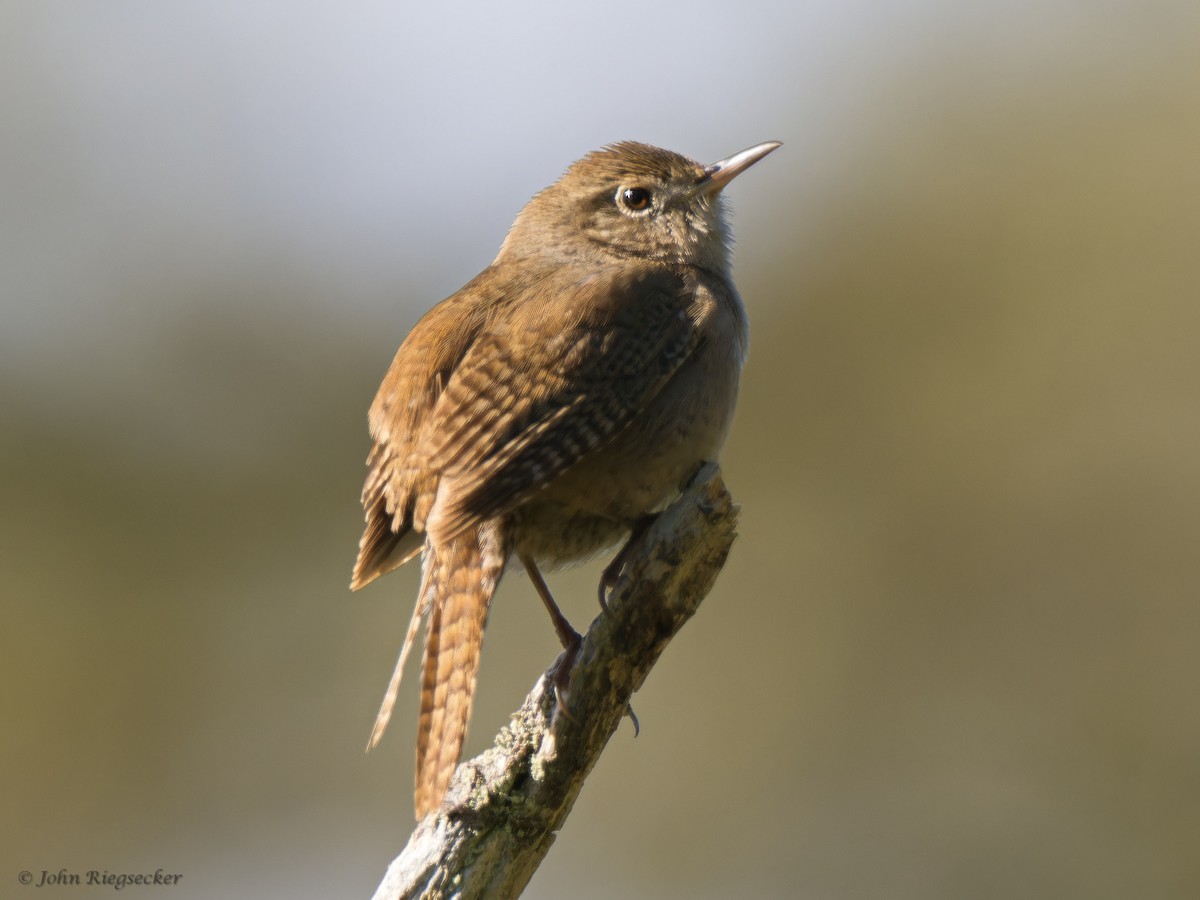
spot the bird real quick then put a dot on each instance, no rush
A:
(547, 410)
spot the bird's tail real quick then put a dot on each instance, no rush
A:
(458, 581)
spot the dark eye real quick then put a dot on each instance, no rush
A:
(635, 198)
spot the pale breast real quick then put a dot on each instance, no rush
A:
(590, 506)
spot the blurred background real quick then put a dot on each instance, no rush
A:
(956, 649)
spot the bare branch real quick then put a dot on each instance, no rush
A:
(505, 806)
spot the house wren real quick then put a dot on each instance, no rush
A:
(550, 407)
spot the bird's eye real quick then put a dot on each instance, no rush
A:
(634, 198)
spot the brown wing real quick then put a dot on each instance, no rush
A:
(407, 396)
(545, 384)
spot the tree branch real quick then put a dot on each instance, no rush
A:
(504, 806)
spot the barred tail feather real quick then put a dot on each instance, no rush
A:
(460, 578)
(393, 689)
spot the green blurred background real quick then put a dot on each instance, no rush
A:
(956, 649)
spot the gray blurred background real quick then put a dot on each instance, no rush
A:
(955, 650)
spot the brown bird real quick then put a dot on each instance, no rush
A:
(550, 408)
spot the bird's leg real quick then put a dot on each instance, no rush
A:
(567, 636)
(608, 581)
(612, 572)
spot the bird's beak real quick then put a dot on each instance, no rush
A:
(721, 173)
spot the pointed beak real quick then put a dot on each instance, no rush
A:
(721, 173)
